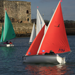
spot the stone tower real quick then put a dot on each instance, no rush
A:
(1, 11)
(18, 11)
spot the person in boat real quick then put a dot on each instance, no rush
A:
(50, 53)
(6, 42)
(10, 42)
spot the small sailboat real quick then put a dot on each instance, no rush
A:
(54, 39)
(39, 24)
(33, 34)
(7, 31)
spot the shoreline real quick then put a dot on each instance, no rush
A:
(29, 35)
(24, 29)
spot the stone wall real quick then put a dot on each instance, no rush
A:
(24, 29)
(1, 10)
(21, 29)
(18, 11)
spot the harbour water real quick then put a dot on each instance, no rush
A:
(11, 60)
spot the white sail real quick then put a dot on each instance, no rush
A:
(33, 34)
(39, 23)
(45, 29)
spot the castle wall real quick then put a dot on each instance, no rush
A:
(18, 11)
(20, 28)
(24, 29)
(1, 9)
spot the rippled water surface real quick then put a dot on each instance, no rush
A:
(11, 60)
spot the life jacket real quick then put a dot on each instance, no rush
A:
(10, 43)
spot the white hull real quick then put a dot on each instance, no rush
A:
(6, 45)
(54, 59)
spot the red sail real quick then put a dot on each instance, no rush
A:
(55, 38)
(35, 44)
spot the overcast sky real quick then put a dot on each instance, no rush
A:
(47, 7)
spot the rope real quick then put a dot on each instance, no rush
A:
(68, 53)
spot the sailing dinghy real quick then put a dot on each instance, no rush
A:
(33, 34)
(7, 31)
(54, 39)
(39, 24)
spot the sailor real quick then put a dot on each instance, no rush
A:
(6, 42)
(51, 53)
(46, 53)
(10, 42)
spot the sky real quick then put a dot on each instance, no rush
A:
(47, 7)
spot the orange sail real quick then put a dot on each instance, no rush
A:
(35, 44)
(55, 38)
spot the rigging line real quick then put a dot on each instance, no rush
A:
(68, 53)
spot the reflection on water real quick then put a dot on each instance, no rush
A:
(6, 51)
(11, 61)
(48, 69)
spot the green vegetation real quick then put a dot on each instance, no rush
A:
(68, 23)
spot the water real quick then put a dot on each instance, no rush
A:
(11, 61)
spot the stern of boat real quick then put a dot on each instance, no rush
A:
(61, 60)
(9, 45)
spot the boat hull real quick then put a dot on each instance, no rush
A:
(40, 59)
(6, 45)
(54, 59)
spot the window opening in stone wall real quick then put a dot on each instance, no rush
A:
(27, 12)
(28, 19)
(20, 21)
